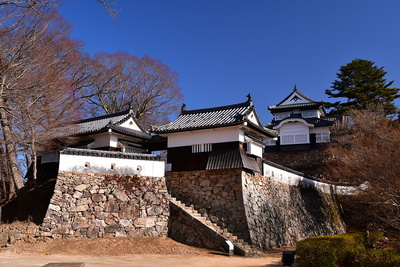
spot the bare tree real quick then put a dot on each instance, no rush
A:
(121, 81)
(37, 61)
(110, 8)
(367, 150)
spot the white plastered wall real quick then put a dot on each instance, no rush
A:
(255, 149)
(293, 179)
(130, 124)
(294, 129)
(105, 140)
(216, 135)
(252, 117)
(90, 164)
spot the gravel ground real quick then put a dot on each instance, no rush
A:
(126, 251)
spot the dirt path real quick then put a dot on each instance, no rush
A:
(24, 260)
(124, 252)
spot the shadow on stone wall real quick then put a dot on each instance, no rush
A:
(30, 205)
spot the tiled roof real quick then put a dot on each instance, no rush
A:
(299, 105)
(317, 122)
(103, 123)
(211, 118)
(131, 132)
(231, 159)
(108, 154)
(311, 104)
(299, 93)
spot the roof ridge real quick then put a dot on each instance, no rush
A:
(298, 104)
(243, 104)
(102, 117)
(295, 90)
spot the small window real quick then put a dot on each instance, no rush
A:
(199, 148)
(309, 114)
(270, 142)
(294, 139)
(113, 166)
(322, 137)
(87, 164)
(281, 116)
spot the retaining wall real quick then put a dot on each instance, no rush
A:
(256, 208)
(95, 205)
(216, 194)
(279, 214)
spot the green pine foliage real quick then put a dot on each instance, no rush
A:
(362, 85)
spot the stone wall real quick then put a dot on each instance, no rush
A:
(279, 214)
(10, 234)
(216, 194)
(307, 161)
(95, 205)
(184, 229)
(255, 208)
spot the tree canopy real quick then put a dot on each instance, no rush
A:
(46, 81)
(121, 81)
(362, 85)
(366, 150)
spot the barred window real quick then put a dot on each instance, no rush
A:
(281, 116)
(294, 139)
(270, 142)
(309, 114)
(322, 137)
(198, 148)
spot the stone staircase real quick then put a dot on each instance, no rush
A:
(221, 235)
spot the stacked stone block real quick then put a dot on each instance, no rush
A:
(216, 194)
(279, 214)
(10, 234)
(255, 208)
(96, 205)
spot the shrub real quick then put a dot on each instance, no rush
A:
(378, 258)
(329, 250)
(344, 250)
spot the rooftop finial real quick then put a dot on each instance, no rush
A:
(249, 99)
(183, 108)
(295, 87)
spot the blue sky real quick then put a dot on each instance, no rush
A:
(224, 49)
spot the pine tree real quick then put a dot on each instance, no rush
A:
(363, 86)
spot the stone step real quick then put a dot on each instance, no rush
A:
(237, 242)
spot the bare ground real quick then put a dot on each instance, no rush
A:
(126, 251)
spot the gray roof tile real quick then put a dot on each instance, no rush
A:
(103, 123)
(210, 118)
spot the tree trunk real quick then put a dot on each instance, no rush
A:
(5, 174)
(10, 154)
(34, 161)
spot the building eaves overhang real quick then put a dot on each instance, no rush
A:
(216, 117)
(315, 122)
(103, 124)
(292, 120)
(300, 106)
(114, 128)
(260, 130)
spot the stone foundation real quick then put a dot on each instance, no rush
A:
(10, 234)
(308, 161)
(216, 194)
(96, 205)
(259, 210)
(279, 214)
